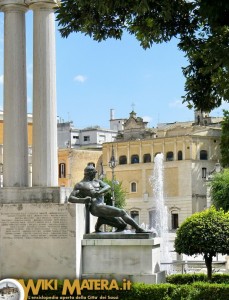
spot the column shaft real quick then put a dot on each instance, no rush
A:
(44, 97)
(15, 139)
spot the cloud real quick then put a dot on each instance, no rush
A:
(80, 78)
(177, 104)
(1, 79)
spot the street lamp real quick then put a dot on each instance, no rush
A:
(112, 165)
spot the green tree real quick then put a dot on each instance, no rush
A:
(119, 193)
(224, 144)
(220, 190)
(205, 233)
(200, 25)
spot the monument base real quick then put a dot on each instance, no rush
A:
(137, 259)
(34, 194)
(41, 240)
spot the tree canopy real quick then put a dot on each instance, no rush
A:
(202, 27)
(220, 190)
(119, 193)
(224, 143)
(206, 233)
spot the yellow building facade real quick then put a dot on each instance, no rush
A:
(72, 163)
(190, 152)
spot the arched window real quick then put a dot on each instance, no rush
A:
(135, 159)
(169, 156)
(62, 170)
(133, 187)
(179, 155)
(135, 215)
(123, 160)
(203, 155)
(146, 158)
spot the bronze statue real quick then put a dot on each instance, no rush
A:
(90, 192)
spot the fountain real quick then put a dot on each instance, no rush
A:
(160, 221)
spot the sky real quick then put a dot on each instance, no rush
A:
(93, 78)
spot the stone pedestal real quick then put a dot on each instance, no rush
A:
(41, 240)
(122, 256)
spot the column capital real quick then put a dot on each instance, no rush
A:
(13, 5)
(33, 4)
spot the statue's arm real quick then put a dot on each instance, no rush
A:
(104, 187)
(74, 199)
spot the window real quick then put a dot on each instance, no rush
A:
(123, 160)
(86, 138)
(146, 158)
(135, 215)
(174, 220)
(133, 187)
(135, 159)
(62, 170)
(75, 137)
(203, 155)
(204, 172)
(179, 155)
(169, 156)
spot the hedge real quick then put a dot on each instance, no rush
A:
(166, 291)
(191, 278)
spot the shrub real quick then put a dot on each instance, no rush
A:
(185, 278)
(191, 278)
(210, 291)
(205, 233)
(140, 291)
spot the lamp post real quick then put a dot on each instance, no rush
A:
(112, 165)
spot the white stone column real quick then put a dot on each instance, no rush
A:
(45, 166)
(15, 154)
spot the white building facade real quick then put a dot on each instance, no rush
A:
(90, 137)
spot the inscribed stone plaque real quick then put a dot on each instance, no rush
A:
(40, 240)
